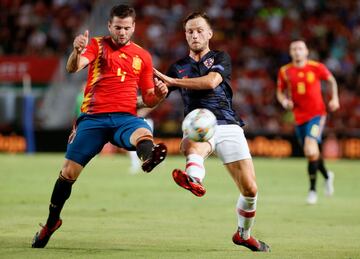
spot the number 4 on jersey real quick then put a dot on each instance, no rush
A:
(122, 74)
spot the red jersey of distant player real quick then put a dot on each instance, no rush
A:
(305, 85)
(114, 76)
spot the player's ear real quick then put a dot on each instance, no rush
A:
(210, 33)
(109, 26)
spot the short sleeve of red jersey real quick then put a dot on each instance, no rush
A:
(91, 50)
(146, 79)
(323, 72)
(281, 78)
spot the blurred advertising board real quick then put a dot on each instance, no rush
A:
(263, 146)
(40, 69)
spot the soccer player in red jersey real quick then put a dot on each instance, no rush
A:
(299, 90)
(117, 68)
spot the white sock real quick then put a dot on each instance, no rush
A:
(195, 166)
(246, 208)
(135, 161)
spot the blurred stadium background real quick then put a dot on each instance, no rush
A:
(38, 98)
(148, 216)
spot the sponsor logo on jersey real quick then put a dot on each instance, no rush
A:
(122, 55)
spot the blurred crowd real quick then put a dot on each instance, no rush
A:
(256, 34)
(40, 27)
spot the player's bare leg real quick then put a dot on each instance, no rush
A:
(61, 192)
(312, 153)
(149, 153)
(191, 179)
(243, 174)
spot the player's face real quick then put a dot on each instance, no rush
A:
(121, 29)
(198, 33)
(298, 51)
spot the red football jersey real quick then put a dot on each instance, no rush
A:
(305, 88)
(114, 76)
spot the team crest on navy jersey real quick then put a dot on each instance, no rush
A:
(209, 62)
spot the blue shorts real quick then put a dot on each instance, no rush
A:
(312, 128)
(93, 131)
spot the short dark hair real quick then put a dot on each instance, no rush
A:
(197, 14)
(297, 39)
(122, 11)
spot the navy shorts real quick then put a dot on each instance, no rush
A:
(312, 128)
(93, 131)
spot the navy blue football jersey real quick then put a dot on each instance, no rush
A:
(217, 100)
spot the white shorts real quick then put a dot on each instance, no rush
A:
(230, 144)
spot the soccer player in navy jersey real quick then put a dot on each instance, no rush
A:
(203, 79)
(117, 69)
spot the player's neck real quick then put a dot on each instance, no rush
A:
(198, 55)
(300, 63)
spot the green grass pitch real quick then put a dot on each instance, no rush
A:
(113, 214)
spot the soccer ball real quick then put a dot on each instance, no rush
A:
(199, 125)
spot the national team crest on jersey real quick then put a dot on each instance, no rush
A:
(209, 62)
(310, 77)
(136, 64)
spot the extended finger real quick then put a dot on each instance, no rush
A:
(157, 73)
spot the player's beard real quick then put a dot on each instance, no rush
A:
(197, 48)
(117, 40)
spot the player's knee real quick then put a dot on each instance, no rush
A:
(250, 190)
(311, 148)
(311, 153)
(70, 172)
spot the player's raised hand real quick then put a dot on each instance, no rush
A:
(334, 104)
(81, 41)
(160, 88)
(166, 79)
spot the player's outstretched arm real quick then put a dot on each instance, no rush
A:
(209, 81)
(75, 61)
(334, 101)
